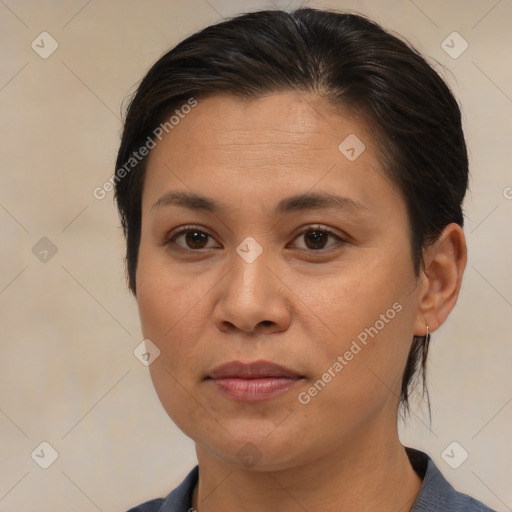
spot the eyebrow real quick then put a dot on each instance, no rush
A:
(299, 202)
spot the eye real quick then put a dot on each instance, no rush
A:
(192, 237)
(316, 237)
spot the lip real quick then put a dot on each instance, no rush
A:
(254, 370)
(252, 382)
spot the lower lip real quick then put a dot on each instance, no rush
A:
(254, 390)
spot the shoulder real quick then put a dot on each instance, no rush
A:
(436, 493)
(178, 500)
(149, 506)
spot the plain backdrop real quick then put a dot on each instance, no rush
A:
(69, 326)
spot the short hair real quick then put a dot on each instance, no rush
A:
(350, 61)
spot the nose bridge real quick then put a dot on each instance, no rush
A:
(250, 269)
(250, 296)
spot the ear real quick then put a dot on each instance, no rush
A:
(441, 279)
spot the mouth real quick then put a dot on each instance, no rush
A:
(253, 382)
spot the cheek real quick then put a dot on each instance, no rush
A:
(169, 310)
(175, 311)
(163, 305)
(369, 315)
(165, 296)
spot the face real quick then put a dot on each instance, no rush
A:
(294, 254)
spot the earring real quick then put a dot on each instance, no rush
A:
(427, 337)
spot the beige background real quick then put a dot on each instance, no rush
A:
(69, 326)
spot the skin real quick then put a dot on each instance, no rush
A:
(293, 305)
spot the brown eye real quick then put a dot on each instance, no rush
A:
(316, 239)
(196, 239)
(191, 239)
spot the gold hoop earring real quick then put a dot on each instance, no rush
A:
(427, 337)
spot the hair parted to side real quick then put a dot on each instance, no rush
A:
(350, 61)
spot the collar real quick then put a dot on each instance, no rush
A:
(436, 493)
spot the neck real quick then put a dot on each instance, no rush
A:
(359, 476)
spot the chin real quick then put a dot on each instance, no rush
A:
(255, 445)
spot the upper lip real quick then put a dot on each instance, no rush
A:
(254, 370)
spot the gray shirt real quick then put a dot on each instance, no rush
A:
(436, 494)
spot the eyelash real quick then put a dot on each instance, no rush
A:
(185, 229)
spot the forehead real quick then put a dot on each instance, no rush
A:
(289, 122)
(289, 140)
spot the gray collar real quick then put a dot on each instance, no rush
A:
(436, 493)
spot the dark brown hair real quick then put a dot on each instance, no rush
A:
(345, 58)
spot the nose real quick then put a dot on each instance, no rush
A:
(253, 298)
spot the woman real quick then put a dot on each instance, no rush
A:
(290, 186)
